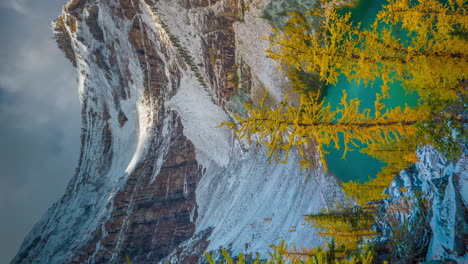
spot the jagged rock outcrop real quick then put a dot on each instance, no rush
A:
(156, 178)
(428, 204)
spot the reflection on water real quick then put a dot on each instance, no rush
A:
(358, 166)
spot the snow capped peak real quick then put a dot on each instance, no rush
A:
(155, 170)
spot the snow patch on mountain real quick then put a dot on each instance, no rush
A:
(443, 183)
(251, 205)
(201, 118)
(251, 42)
(447, 182)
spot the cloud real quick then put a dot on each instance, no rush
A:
(39, 115)
(7, 80)
(36, 57)
(19, 6)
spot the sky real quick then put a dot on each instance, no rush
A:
(39, 118)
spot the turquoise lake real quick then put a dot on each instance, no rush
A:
(359, 166)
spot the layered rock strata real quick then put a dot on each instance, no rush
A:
(156, 178)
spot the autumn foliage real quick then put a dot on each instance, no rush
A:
(420, 44)
(287, 126)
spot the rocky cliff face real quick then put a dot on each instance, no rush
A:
(441, 218)
(156, 178)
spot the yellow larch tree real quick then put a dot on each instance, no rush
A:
(425, 52)
(286, 126)
(397, 155)
(415, 42)
(347, 226)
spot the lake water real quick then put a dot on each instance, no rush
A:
(359, 166)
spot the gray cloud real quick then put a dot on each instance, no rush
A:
(16, 5)
(39, 117)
